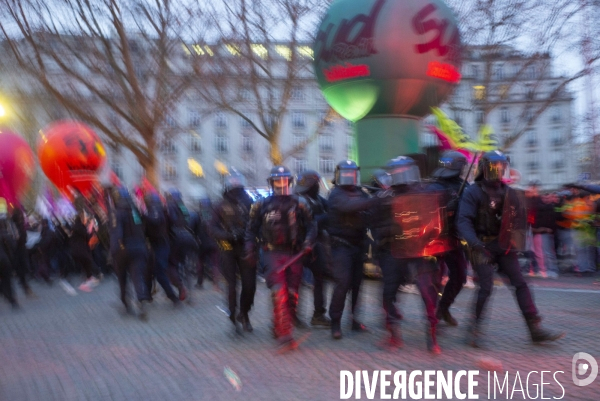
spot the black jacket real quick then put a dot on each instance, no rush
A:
(348, 219)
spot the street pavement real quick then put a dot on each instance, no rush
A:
(62, 347)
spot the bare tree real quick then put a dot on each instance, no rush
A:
(266, 57)
(528, 35)
(117, 65)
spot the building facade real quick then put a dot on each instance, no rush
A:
(528, 108)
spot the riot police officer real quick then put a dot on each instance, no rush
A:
(21, 258)
(155, 222)
(308, 187)
(452, 165)
(398, 225)
(7, 248)
(284, 224)
(231, 217)
(183, 242)
(128, 248)
(492, 220)
(347, 226)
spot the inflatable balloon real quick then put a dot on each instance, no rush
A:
(70, 155)
(17, 166)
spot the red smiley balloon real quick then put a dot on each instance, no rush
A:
(70, 155)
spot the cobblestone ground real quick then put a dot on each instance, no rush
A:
(61, 347)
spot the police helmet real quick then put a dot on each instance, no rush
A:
(306, 180)
(403, 171)
(280, 180)
(451, 164)
(492, 166)
(233, 180)
(347, 172)
(381, 179)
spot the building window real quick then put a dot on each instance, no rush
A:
(220, 120)
(529, 116)
(458, 117)
(195, 143)
(194, 118)
(297, 93)
(530, 72)
(533, 165)
(300, 165)
(170, 121)
(327, 166)
(117, 169)
(498, 72)
(247, 144)
(503, 91)
(169, 171)
(221, 144)
(245, 123)
(326, 143)
(479, 92)
(475, 71)
(556, 115)
(167, 146)
(298, 140)
(298, 119)
(245, 94)
(324, 121)
(504, 115)
(558, 164)
(274, 94)
(479, 116)
(349, 145)
(557, 139)
(531, 138)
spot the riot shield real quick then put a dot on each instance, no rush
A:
(420, 225)
(513, 228)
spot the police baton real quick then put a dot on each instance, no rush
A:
(293, 260)
(462, 186)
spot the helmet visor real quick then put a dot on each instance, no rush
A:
(348, 177)
(495, 171)
(281, 185)
(404, 175)
(234, 181)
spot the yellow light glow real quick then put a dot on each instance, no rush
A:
(221, 168)
(195, 168)
(284, 51)
(185, 49)
(233, 49)
(198, 50)
(208, 50)
(479, 92)
(259, 50)
(306, 51)
(2, 111)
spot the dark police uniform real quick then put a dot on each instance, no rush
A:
(490, 215)
(229, 226)
(280, 221)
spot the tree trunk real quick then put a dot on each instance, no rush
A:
(275, 153)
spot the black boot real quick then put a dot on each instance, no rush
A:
(245, 321)
(444, 314)
(539, 334)
(336, 329)
(236, 324)
(319, 319)
(395, 338)
(474, 335)
(432, 345)
(358, 326)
